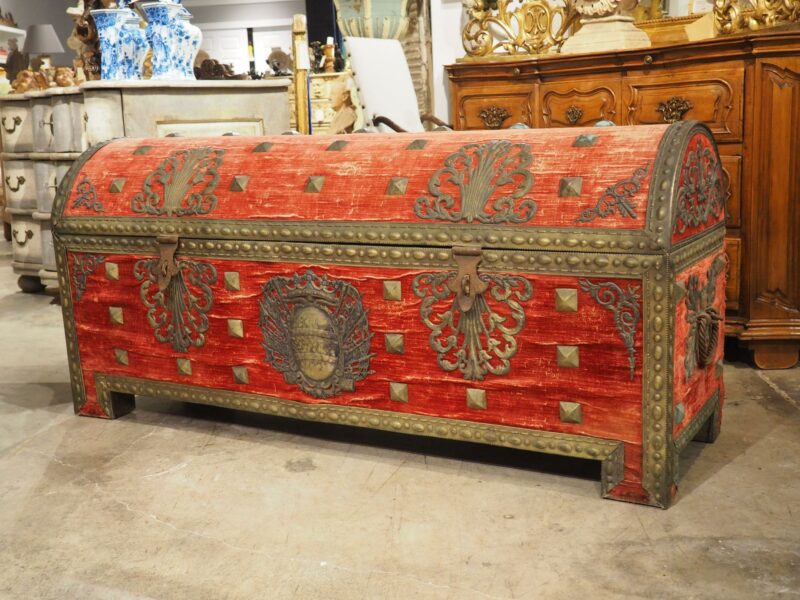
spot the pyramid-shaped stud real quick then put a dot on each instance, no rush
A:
(239, 183)
(263, 147)
(397, 186)
(184, 366)
(398, 392)
(395, 343)
(235, 328)
(314, 184)
(570, 187)
(476, 398)
(570, 412)
(142, 150)
(232, 281)
(117, 185)
(585, 141)
(121, 356)
(718, 368)
(680, 291)
(337, 145)
(680, 413)
(392, 291)
(112, 271)
(568, 356)
(240, 375)
(115, 315)
(566, 300)
(417, 145)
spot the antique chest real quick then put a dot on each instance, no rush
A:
(557, 291)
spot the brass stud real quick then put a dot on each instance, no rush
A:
(337, 145)
(142, 150)
(680, 413)
(117, 185)
(570, 187)
(184, 366)
(568, 356)
(232, 281)
(566, 300)
(392, 290)
(417, 145)
(398, 392)
(239, 183)
(395, 343)
(585, 141)
(570, 412)
(121, 356)
(476, 398)
(397, 186)
(240, 375)
(314, 184)
(112, 271)
(235, 328)
(115, 315)
(263, 147)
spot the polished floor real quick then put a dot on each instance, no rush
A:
(183, 502)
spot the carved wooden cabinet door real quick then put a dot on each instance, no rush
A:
(773, 218)
(494, 108)
(713, 96)
(579, 103)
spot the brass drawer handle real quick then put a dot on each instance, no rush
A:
(55, 184)
(493, 116)
(20, 183)
(673, 109)
(17, 123)
(49, 124)
(28, 235)
(573, 114)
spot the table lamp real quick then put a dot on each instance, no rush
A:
(42, 40)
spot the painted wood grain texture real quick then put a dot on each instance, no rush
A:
(357, 176)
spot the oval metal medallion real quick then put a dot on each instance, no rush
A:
(316, 333)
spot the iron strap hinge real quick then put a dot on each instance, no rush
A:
(467, 285)
(167, 267)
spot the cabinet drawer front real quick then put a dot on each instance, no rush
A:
(46, 241)
(210, 128)
(732, 180)
(19, 179)
(63, 128)
(495, 111)
(43, 125)
(714, 98)
(733, 251)
(582, 105)
(17, 128)
(26, 242)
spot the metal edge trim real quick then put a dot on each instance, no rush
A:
(688, 433)
(610, 452)
(70, 331)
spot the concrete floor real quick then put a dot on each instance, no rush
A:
(176, 501)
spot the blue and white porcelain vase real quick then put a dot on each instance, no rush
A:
(110, 23)
(161, 20)
(134, 47)
(188, 38)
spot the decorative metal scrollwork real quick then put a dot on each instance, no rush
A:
(701, 194)
(316, 333)
(84, 265)
(177, 305)
(617, 198)
(493, 116)
(703, 318)
(187, 180)
(87, 196)
(483, 182)
(625, 306)
(573, 114)
(673, 109)
(478, 338)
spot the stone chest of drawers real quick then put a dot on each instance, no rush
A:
(43, 132)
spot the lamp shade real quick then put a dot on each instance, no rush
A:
(42, 39)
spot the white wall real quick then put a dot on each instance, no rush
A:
(40, 12)
(446, 24)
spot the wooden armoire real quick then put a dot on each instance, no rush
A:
(746, 88)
